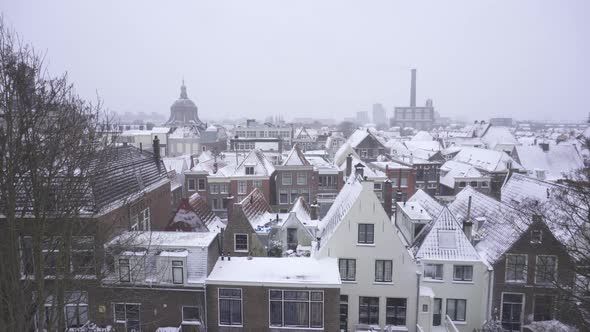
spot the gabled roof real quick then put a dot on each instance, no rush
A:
(262, 167)
(195, 215)
(430, 205)
(343, 152)
(296, 158)
(446, 240)
(359, 135)
(558, 160)
(256, 209)
(500, 227)
(347, 196)
(486, 160)
(456, 170)
(422, 136)
(301, 209)
(498, 135)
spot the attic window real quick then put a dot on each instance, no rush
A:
(446, 239)
(462, 184)
(536, 236)
(249, 170)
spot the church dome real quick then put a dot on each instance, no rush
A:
(184, 112)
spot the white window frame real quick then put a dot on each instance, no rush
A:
(219, 298)
(247, 242)
(309, 301)
(442, 276)
(284, 178)
(526, 269)
(197, 321)
(242, 187)
(301, 179)
(533, 237)
(462, 266)
(192, 184)
(125, 306)
(199, 184)
(176, 267)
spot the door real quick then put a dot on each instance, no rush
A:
(437, 312)
(512, 306)
(292, 238)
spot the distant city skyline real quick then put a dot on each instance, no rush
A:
(329, 59)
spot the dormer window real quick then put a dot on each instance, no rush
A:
(249, 170)
(177, 272)
(536, 236)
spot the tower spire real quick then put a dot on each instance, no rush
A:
(183, 94)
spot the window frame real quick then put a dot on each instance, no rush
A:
(192, 184)
(368, 308)
(462, 268)
(537, 264)
(388, 307)
(287, 176)
(348, 269)
(384, 278)
(365, 240)
(310, 300)
(204, 183)
(220, 298)
(454, 317)
(536, 239)
(128, 265)
(188, 322)
(236, 242)
(242, 187)
(525, 272)
(436, 270)
(175, 268)
(301, 179)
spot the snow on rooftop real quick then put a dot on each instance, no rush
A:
(452, 170)
(422, 136)
(414, 210)
(275, 271)
(296, 158)
(446, 241)
(558, 161)
(430, 205)
(498, 135)
(486, 160)
(164, 239)
(262, 166)
(357, 137)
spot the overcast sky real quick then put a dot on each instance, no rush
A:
(475, 59)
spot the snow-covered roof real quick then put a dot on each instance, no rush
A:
(185, 132)
(194, 214)
(422, 136)
(357, 137)
(500, 226)
(430, 146)
(275, 271)
(178, 164)
(370, 173)
(454, 170)
(429, 204)
(296, 158)
(446, 241)
(256, 209)
(558, 161)
(347, 196)
(486, 160)
(414, 210)
(520, 187)
(343, 152)
(498, 135)
(164, 239)
(262, 166)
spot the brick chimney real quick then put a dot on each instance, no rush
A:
(387, 197)
(348, 165)
(156, 148)
(467, 223)
(313, 210)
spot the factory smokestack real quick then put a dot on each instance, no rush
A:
(413, 89)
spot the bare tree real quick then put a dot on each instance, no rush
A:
(50, 143)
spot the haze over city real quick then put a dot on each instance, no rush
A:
(476, 60)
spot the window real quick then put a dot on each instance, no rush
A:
(241, 187)
(214, 188)
(347, 269)
(50, 250)
(201, 184)
(456, 309)
(425, 308)
(230, 306)
(190, 314)
(473, 184)
(546, 269)
(368, 310)
(296, 308)
(543, 307)
(294, 195)
(433, 271)
(366, 234)
(143, 220)
(462, 184)
(223, 188)
(240, 242)
(127, 314)
(383, 270)
(463, 272)
(27, 265)
(249, 170)
(124, 270)
(512, 307)
(395, 312)
(257, 183)
(76, 309)
(192, 185)
(536, 236)
(177, 272)
(286, 179)
(215, 204)
(343, 312)
(283, 196)
(516, 267)
(82, 255)
(484, 184)
(301, 179)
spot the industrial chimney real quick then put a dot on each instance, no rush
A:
(413, 89)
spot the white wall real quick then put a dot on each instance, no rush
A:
(388, 245)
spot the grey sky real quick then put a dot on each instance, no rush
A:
(475, 59)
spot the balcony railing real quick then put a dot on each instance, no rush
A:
(450, 325)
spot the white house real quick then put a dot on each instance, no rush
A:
(455, 279)
(378, 271)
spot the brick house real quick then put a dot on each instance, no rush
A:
(129, 192)
(156, 279)
(295, 177)
(273, 294)
(366, 145)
